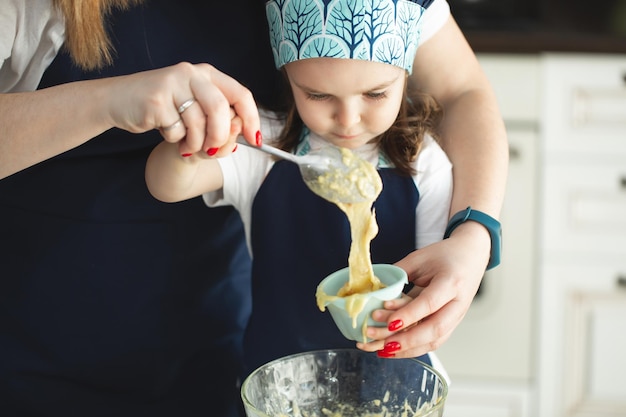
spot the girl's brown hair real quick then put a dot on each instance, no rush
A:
(419, 114)
(86, 37)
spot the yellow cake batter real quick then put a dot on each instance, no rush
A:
(363, 229)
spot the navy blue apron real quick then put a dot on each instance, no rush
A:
(299, 238)
(112, 303)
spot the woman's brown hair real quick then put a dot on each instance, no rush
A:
(86, 37)
(419, 114)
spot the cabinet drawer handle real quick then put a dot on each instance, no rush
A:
(621, 281)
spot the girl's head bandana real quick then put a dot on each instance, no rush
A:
(384, 31)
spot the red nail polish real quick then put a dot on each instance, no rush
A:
(235, 148)
(392, 347)
(212, 151)
(395, 325)
(259, 138)
(186, 155)
(384, 354)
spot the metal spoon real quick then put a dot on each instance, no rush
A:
(335, 174)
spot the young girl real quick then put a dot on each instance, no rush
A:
(347, 66)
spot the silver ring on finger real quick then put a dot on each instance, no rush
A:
(185, 105)
(174, 125)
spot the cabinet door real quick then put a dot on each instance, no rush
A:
(584, 208)
(515, 80)
(583, 340)
(584, 106)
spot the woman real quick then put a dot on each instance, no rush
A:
(106, 306)
(105, 298)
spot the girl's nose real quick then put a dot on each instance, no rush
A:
(347, 114)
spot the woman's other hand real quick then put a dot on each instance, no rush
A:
(446, 276)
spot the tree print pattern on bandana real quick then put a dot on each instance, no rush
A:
(384, 31)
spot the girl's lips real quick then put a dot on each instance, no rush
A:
(347, 137)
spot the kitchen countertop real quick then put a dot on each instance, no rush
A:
(536, 41)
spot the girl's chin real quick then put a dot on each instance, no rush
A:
(349, 143)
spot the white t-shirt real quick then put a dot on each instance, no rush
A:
(245, 170)
(32, 32)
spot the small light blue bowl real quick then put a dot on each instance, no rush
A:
(394, 278)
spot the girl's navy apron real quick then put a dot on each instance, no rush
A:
(112, 303)
(299, 238)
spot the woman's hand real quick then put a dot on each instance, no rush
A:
(189, 104)
(446, 276)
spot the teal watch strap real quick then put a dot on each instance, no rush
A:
(492, 225)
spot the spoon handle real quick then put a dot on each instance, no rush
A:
(271, 150)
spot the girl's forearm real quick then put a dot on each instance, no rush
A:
(171, 177)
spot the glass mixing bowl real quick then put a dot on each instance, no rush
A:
(344, 383)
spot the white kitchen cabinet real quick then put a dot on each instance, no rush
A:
(491, 355)
(583, 338)
(585, 206)
(582, 247)
(546, 336)
(562, 283)
(584, 103)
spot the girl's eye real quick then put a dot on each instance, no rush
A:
(376, 95)
(317, 97)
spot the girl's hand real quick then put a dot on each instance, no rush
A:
(446, 275)
(189, 104)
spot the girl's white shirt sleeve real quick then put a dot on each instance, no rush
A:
(434, 183)
(31, 34)
(434, 18)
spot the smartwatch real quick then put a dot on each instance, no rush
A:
(492, 225)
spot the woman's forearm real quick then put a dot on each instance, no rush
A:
(472, 131)
(36, 126)
(474, 138)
